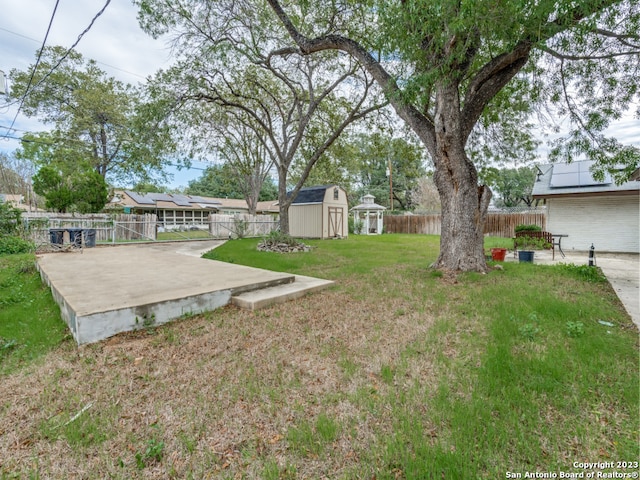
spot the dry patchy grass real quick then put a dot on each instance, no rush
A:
(373, 378)
(221, 391)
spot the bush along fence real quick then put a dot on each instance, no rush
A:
(126, 228)
(497, 224)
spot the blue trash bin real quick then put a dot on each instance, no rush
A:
(56, 236)
(75, 236)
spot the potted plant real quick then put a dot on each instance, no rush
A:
(527, 244)
(498, 254)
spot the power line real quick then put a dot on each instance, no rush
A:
(60, 60)
(97, 61)
(26, 92)
(66, 54)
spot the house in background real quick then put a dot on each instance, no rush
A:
(174, 210)
(18, 201)
(320, 212)
(590, 211)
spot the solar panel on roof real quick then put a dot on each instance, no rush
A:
(577, 174)
(141, 199)
(202, 200)
(181, 200)
(566, 168)
(162, 197)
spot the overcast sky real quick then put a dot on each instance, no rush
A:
(115, 41)
(119, 46)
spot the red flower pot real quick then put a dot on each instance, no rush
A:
(498, 254)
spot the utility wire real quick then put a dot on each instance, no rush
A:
(75, 44)
(26, 92)
(60, 60)
(97, 61)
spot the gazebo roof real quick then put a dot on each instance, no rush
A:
(368, 205)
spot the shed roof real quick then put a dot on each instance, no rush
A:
(311, 194)
(548, 186)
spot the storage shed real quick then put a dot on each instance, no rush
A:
(320, 212)
(590, 211)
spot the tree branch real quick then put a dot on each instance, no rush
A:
(307, 46)
(489, 81)
(562, 56)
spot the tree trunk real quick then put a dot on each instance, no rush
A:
(464, 203)
(283, 201)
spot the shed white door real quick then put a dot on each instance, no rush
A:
(336, 222)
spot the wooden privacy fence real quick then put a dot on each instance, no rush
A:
(135, 227)
(241, 225)
(504, 224)
(424, 224)
(497, 224)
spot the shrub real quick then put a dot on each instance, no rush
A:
(9, 219)
(276, 237)
(531, 243)
(355, 226)
(528, 228)
(10, 245)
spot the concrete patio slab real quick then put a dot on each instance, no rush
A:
(107, 290)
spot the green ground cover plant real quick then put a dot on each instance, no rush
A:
(30, 323)
(395, 372)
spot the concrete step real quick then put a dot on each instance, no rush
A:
(266, 297)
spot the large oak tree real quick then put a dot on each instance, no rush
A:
(230, 67)
(453, 67)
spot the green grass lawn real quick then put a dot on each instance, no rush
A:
(397, 371)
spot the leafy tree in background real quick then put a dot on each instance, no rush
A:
(242, 147)
(425, 195)
(295, 106)
(15, 177)
(221, 181)
(82, 191)
(380, 155)
(514, 185)
(450, 68)
(149, 187)
(94, 118)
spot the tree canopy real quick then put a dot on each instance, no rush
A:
(513, 185)
(93, 118)
(229, 70)
(454, 69)
(220, 181)
(82, 191)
